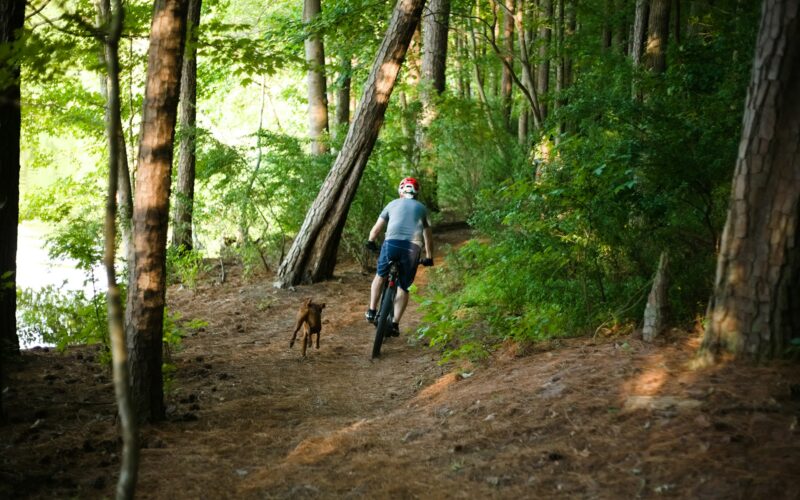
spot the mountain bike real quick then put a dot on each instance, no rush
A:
(385, 316)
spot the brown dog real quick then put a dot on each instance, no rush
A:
(310, 318)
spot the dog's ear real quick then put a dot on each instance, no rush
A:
(307, 301)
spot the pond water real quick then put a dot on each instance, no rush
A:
(36, 270)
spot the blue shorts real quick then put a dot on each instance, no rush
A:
(406, 253)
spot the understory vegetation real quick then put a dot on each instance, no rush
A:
(569, 220)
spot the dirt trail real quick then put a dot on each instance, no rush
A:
(249, 418)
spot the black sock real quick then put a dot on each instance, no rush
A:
(396, 325)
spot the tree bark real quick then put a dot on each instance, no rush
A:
(608, 12)
(755, 309)
(435, 22)
(129, 467)
(317, 87)
(639, 31)
(508, 46)
(545, 35)
(12, 17)
(658, 36)
(343, 92)
(527, 85)
(151, 207)
(124, 189)
(656, 311)
(312, 256)
(187, 156)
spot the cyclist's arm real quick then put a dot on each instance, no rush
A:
(427, 235)
(377, 228)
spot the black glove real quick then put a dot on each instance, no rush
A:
(371, 246)
(426, 262)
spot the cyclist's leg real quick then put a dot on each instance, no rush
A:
(408, 265)
(377, 282)
(400, 303)
(375, 291)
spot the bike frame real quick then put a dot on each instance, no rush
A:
(386, 308)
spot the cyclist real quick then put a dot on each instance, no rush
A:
(408, 231)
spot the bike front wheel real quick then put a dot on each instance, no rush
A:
(384, 320)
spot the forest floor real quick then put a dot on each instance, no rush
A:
(248, 417)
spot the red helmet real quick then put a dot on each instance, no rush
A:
(408, 187)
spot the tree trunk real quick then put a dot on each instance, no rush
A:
(184, 199)
(12, 16)
(312, 256)
(658, 35)
(343, 92)
(527, 84)
(151, 207)
(608, 12)
(129, 467)
(639, 30)
(755, 309)
(463, 81)
(656, 311)
(545, 35)
(435, 22)
(317, 92)
(124, 190)
(508, 55)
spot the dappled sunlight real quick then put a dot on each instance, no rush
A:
(650, 382)
(385, 79)
(315, 448)
(438, 387)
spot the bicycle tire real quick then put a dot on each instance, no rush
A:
(385, 314)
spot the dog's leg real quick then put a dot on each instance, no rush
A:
(306, 340)
(300, 321)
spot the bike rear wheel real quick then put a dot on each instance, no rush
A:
(384, 320)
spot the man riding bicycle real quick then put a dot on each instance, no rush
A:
(408, 230)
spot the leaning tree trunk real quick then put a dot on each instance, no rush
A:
(151, 207)
(313, 253)
(129, 467)
(317, 88)
(755, 309)
(12, 16)
(184, 199)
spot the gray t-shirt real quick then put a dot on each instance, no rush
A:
(406, 218)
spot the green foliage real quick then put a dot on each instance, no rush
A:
(468, 155)
(576, 245)
(260, 194)
(74, 210)
(174, 330)
(185, 266)
(61, 317)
